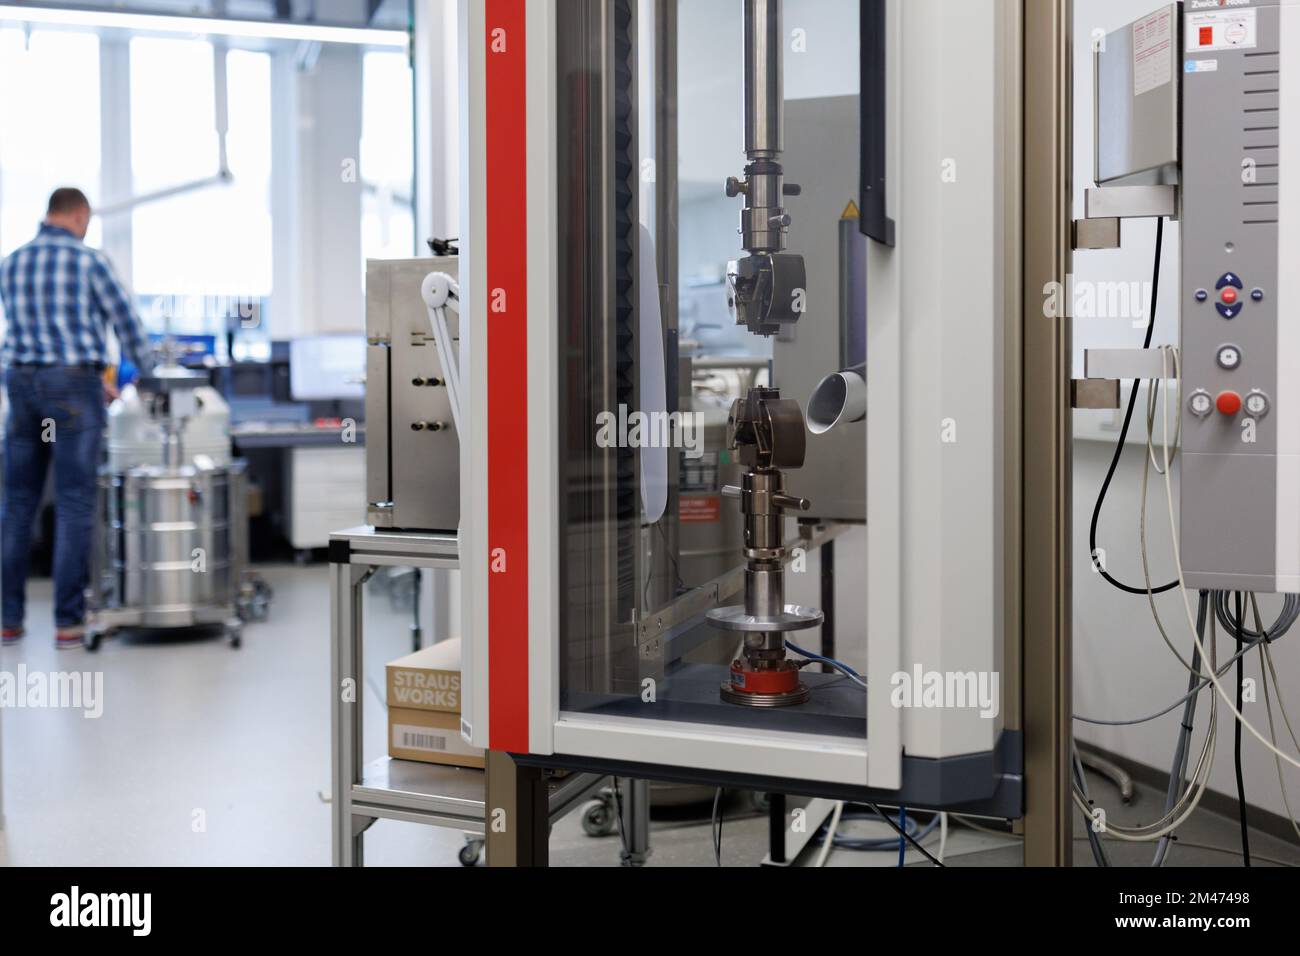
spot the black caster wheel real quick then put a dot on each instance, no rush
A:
(236, 640)
(598, 820)
(92, 641)
(470, 853)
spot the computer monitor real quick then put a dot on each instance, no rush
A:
(327, 368)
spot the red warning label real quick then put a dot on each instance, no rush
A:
(701, 509)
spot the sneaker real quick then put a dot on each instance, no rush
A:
(11, 635)
(66, 638)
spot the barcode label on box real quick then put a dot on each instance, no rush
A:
(412, 741)
(417, 741)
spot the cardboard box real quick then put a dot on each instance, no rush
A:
(429, 736)
(427, 680)
(424, 708)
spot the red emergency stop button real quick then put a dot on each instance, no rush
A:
(1230, 296)
(1229, 403)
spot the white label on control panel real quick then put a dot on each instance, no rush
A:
(1153, 52)
(1222, 30)
(1202, 66)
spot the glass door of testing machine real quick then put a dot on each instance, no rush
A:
(681, 521)
(672, 270)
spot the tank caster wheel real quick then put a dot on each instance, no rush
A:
(236, 638)
(598, 820)
(93, 640)
(471, 852)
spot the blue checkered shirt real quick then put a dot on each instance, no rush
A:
(59, 298)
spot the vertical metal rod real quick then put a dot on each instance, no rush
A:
(763, 223)
(517, 814)
(1047, 436)
(417, 633)
(828, 603)
(635, 811)
(764, 80)
(345, 665)
(776, 828)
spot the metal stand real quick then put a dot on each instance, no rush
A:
(410, 792)
(634, 814)
(776, 829)
(828, 604)
(518, 818)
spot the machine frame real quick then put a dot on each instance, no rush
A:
(510, 468)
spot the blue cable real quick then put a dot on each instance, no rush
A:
(877, 844)
(902, 842)
(838, 665)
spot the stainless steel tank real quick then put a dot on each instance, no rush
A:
(173, 544)
(172, 547)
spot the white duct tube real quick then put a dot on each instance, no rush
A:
(840, 399)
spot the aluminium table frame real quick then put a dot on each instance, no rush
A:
(427, 794)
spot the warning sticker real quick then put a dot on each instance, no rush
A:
(1222, 30)
(705, 509)
(1153, 52)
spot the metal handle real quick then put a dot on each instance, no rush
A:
(781, 500)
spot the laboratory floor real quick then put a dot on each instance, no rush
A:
(206, 755)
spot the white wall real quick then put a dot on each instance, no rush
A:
(1122, 667)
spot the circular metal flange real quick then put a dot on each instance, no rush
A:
(794, 618)
(799, 695)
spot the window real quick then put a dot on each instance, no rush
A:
(200, 250)
(49, 134)
(213, 241)
(387, 157)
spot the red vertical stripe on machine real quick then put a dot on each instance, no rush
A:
(507, 374)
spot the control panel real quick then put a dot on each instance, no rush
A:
(1240, 522)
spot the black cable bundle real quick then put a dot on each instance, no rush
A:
(1123, 435)
(1241, 678)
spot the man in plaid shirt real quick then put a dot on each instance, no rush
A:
(60, 298)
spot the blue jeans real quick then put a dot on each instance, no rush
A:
(55, 414)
